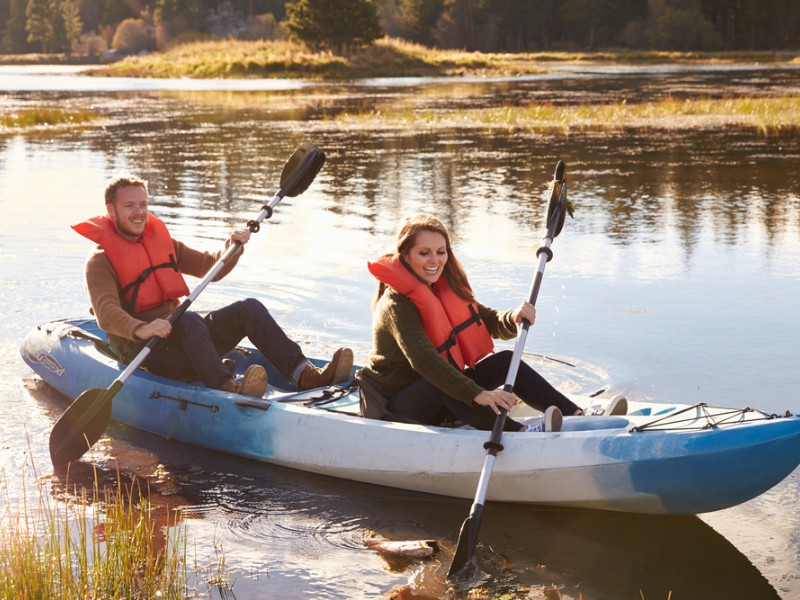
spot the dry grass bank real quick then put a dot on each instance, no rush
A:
(386, 58)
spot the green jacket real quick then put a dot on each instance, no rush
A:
(403, 354)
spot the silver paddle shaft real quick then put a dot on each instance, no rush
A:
(516, 358)
(519, 345)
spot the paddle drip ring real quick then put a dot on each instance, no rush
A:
(255, 224)
(496, 446)
(545, 250)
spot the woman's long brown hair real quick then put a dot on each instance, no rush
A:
(453, 272)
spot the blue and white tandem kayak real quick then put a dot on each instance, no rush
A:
(659, 459)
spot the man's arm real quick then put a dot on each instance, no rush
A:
(104, 291)
(196, 263)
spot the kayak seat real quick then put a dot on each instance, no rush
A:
(593, 423)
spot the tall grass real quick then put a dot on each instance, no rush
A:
(44, 116)
(387, 57)
(229, 59)
(107, 544)
(283, 58)
(766, 115)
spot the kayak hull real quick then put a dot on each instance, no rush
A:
(631, 463)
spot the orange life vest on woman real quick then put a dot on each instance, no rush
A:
(146, 270)
(452, 324)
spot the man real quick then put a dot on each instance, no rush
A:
(135, 279)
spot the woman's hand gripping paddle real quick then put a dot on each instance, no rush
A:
(556, 211)
(86, 418)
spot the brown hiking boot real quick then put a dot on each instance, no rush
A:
(253, 383)
(336, 371)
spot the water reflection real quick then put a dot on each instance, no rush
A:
(676, 184)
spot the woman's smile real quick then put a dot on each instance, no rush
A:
(428, 256)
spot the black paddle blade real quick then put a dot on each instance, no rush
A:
(561, 170)
(466, 542)
(559, 189)
(301, 169)
(81, 425)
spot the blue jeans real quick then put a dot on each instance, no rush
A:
(425, 403)
(196, 344)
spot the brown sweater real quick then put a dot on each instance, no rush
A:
(402, 353)
(105, 292)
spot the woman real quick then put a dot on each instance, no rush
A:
(432, 353)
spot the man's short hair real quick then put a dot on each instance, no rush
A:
(122, 182)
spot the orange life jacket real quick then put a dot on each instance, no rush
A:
(135, 262)
(452, 324)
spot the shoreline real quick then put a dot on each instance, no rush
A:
(386, 58)
(766, 113)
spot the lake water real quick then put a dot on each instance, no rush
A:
(677, 280)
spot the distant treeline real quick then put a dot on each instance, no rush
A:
(93, 27)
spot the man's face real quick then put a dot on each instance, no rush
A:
(128, 212)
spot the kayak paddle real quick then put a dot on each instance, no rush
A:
(86, 418)
(556, 211)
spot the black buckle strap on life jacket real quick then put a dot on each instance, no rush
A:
(451, 339)
(172, 264)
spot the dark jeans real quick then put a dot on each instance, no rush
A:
(196, 343)
(425, 403)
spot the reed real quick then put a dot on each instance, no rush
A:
(766, 115)
(104, 543)
(45, 116)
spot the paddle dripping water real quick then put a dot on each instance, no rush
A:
(676, 281)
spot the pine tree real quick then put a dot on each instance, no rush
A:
(419, 18)
(72, 24)
(39, 24)
(335, 24)
(14, 35)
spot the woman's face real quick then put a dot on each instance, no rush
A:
(428, 256)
